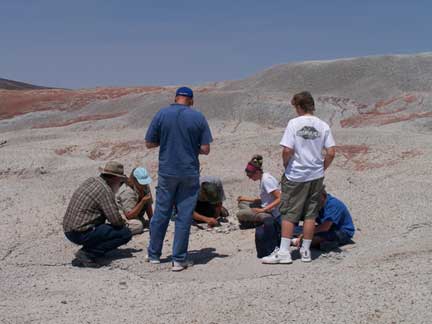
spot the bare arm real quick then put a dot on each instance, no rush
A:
(151, 145)
(137, 209)
(248, 199)
(330, 155)
(201, 218)
(287, 153)
(324, 227)
(149, 211)
(275, 203)
(204, 149)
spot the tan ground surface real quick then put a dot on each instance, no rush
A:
(385, 277)
(380, 111)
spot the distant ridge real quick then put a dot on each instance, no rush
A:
(16, 85)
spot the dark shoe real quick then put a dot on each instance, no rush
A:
(328, 246)
(247, 225)
(84, 259)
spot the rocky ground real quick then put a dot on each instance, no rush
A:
(382, 174)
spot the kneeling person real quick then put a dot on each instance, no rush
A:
(209, 208)
(334, 227)
(135, 200)
(91, 205)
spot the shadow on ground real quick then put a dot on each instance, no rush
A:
(118, 254)
(202, 256)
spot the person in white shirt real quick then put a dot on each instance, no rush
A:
(254, 210)
(304, 140)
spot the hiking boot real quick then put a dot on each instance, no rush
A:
(151, 260)
(305, 255)
(84, 259)
(277, 257)
(180, 266)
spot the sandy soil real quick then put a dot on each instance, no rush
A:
(382, 173)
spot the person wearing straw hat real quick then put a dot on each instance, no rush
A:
(92, 205)
(135, 200)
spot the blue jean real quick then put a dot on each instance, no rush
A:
(100, 239)
(334, 235)
(183, 193)
(267, 236)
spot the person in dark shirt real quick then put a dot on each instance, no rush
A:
(209, 208)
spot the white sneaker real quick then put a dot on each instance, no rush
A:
(152, 261)
(180, 266)
(277, 257)
(305, 255)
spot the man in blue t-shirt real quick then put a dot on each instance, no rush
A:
(334, 223)
(334, 227)
(182, 134)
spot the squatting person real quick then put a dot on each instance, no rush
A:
(135, 200)
(91, 206)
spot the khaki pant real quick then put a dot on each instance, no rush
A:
(247, 215)
(300, 200)
(136, 225)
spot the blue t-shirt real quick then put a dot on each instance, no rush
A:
(336, 212)
(180, 131)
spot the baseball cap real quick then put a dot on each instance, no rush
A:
(142, 176)
(185, 92)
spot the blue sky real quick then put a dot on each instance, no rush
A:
(78, 44)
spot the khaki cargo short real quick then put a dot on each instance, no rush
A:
(300, 200)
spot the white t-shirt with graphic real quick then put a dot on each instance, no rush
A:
(307, 136)
(267, 186)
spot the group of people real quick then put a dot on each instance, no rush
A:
(106, 211)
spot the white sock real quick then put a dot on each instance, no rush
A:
(285, 244)
(306, 244)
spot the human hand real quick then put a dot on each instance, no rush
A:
(212, 222)
(299, 240)
(146, 198)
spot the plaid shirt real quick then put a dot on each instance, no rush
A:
(91, 204)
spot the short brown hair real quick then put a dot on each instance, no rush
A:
(304, 100)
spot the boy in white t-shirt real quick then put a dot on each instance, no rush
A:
(303, 142)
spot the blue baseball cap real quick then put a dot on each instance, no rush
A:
(185, 92)
(142, 176)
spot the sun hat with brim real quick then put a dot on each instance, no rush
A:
(142, 176)
(210, 192)
(113, 168)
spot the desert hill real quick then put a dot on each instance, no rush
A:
(355, 92)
